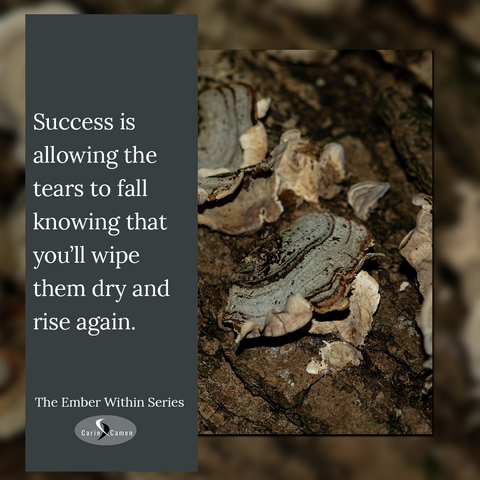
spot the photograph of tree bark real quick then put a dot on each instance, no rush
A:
(343, 135)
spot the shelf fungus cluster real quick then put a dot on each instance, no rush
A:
(239, 184)
(352, 330)
(305, 268)
(416, 247)
(237, 187)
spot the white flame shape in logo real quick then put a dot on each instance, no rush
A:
(99, 425)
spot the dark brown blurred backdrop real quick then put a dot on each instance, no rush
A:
(451, 30)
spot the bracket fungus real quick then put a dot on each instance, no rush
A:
(308, 171)
(364, 196)
(363, 304)
(263, 105)
(254, 200)
(425, 322)
(332, 168)
(296, 313)
(334, 357)
(254, 145)
(306, 267)
(416, 247)
(232, 147)
(225, 113)
(237, 188)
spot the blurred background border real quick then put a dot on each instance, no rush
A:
(451, 30)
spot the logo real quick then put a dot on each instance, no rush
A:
(105, 430)
(103, 427)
